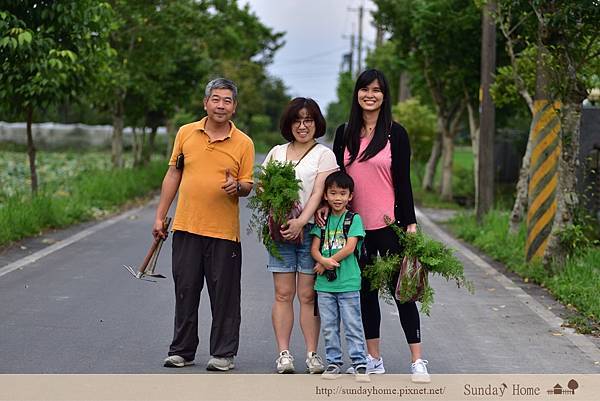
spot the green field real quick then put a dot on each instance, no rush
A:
(74, 187)
(463, 185)
(54, 169)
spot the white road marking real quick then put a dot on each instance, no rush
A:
(65, 242)
(555, 322)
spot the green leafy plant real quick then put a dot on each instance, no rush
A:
(421, 124)
(433, 256)
(277, 192)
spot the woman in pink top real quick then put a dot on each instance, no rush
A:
(375, 151)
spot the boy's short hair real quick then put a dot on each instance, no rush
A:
(341, 180)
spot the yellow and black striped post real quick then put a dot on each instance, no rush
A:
(543, 176)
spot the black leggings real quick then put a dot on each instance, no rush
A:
(382, 241)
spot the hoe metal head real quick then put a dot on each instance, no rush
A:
(142, 276)
(147, 267)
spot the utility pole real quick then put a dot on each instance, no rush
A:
(361, 11)
(360, 38)
(349, 57)
(352, 54)
(403, 88)
(484, 198)
(378, 36)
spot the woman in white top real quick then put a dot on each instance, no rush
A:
(301, 122)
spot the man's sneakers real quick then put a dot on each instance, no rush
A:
(361, 375)
(418, 371)
(314, 363)
(285, 362)
(332, 372)
(176, 361)
(221, 364)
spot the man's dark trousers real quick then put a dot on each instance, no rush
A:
(196, 257)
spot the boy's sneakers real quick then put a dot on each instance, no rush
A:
(176, 361)
(418, 370)
(221, 364)
(314, 363)
(332, 372)
(375, 366)
(285, 362)
(361, 375)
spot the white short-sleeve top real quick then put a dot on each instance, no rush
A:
(319, 159)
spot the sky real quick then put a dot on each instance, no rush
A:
(317, 35)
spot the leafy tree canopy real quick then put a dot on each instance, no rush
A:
(50, 50)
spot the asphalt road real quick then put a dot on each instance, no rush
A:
(77, 310)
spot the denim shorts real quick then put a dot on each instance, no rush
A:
(296, 258)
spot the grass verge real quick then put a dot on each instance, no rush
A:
(576, 284)
(90, 194)
(462, 181)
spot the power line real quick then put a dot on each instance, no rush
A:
(310, 57)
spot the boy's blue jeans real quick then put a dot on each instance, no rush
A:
(334, 306)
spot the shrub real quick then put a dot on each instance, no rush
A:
(421, 123)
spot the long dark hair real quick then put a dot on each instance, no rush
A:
(355, 121)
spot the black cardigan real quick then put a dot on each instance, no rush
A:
(404, 207)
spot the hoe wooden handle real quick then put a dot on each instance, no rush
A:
(155, 245)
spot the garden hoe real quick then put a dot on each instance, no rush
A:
(147, 267)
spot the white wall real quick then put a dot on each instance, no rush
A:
(49, 135)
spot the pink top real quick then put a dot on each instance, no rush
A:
(373, 197)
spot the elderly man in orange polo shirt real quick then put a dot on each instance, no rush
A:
(211, 167)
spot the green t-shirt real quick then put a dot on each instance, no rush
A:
(348, 273)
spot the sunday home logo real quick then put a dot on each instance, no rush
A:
(560, 390)
(501, 389)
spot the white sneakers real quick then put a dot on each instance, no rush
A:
(176, 361)
(418, 370)
(285, 362)
(375, 366)
(221, 364)
(314, 363)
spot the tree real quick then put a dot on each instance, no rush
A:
(276, 99)
(385, 58)
(570, 32)
(420, 123)
(484, 160)
(517, 24)
(440, 38)
(185, 66)
(338, 112)
(573, 385)
(49, 51)
(243, 49)
(567, 46)
(150, 38)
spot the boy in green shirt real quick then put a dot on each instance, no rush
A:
(338, 278)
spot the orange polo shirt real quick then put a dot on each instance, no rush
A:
(203, 207)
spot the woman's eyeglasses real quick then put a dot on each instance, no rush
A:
(308, 122)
